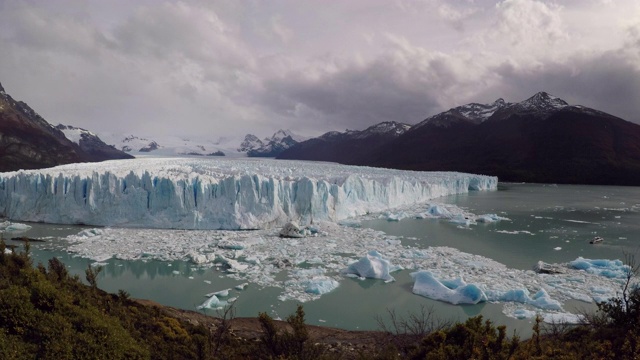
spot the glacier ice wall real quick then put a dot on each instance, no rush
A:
(186, 193)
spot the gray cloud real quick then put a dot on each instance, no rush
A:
(609, 82)
(232, 67)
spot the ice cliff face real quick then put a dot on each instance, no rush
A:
(217, 194)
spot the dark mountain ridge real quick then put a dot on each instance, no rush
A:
(541, 139)
(346, 147)
(27, 141)
(91, 144)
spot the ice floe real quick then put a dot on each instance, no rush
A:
(454, 292)
(603, 267)
(13, 227)
(306, 268)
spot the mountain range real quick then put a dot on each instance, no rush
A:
(270, 146)
(345, 147)
(541, 139)
(250, 145)
(27, 141)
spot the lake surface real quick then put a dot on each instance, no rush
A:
(549, 223)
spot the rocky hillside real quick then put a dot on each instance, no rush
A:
(541, 139)
(27, 141)
(91, 144)
(345, 147)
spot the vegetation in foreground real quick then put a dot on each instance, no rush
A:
(47, 314)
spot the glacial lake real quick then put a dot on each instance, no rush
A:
(547, 222)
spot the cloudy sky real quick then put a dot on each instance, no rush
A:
(227, 68)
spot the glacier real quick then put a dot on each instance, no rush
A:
(184, 193)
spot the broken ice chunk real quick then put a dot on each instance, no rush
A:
(232, 265)
(212, 303)
(607, 268)
(461, 293)
(291, 230)
(241, 286)
(372, 266)
(319, 285)
(197, 258)
(17, 227)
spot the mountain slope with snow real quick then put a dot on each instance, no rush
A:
(345, 147)
(169, 146)
(27, 141)
(541, 139)
(92, 144)
(217, 193)
(272, 146)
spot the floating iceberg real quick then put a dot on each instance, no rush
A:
(218, 193)
(319, 285)
(372, 266)
(607, 268)
(219, 294)
(490, 218)
(454, 292)
(213, 303)
(14, 227)
(541, 299)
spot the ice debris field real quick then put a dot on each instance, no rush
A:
(314, 205)
(317, 263)
(229, 194)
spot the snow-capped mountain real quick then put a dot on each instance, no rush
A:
(387, 128)
(345, 147)
(543, 101)
(130, 143)
(473, 112)
(250, 142)
(269, 146)
(171, 145)
(540, 139)
(27, 141)
(91, 143)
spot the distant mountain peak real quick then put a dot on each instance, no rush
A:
(250, 142)
(543, 101)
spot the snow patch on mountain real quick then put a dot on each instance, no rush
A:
(476, 113)
(269, 146)
(250, 142)
(387, 127)
(169, 146)
(543, 101)
(75, 134)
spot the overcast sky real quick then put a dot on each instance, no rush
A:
(227, 68)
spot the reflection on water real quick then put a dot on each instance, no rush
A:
(553, 224)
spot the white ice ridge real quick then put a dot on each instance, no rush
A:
(217, 193)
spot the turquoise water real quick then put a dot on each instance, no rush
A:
(565, 217)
